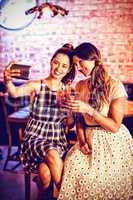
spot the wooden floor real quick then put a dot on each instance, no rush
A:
(12, 181)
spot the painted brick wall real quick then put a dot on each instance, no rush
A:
(106, 23)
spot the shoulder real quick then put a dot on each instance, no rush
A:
(115, 83)
(117, 89)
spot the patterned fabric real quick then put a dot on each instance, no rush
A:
(45, 129)
(106, 174)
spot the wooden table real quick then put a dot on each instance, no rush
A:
(19, 119)
(20, 116)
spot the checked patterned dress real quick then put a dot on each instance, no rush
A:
(45, 129)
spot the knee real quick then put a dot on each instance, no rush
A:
(52, 157)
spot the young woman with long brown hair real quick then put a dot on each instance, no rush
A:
(99, 166)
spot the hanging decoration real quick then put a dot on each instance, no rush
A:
(39, 9)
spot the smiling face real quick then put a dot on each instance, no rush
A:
(84, 66)
(60, 66)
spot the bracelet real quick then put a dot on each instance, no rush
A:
(91, 112)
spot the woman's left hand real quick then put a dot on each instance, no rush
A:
(85, 149)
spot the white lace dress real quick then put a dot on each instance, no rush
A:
(107, 173)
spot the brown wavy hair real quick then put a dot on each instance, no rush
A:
(99, 82)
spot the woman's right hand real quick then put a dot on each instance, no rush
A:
(8, 73)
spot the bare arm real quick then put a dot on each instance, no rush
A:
(84, 147)
(23, 90)
(115, 116)
(114, 119)
(69, 121)
(80, 133)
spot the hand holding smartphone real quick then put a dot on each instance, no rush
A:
(20, 71)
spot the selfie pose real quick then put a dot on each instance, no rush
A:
(100, 165)
(45, 141)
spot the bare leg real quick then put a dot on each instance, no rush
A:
(44, 174)
(45, 183)
(55, 165)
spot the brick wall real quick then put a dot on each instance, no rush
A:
(106, 23)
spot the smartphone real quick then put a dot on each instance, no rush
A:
(24, 71)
